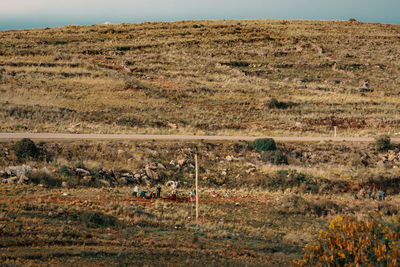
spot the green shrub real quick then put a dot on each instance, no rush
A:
(26, 148)
(382, 143)
(275, 157)
(264, 144)
(44, 179)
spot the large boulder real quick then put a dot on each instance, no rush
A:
(19, 171)
(151, 173)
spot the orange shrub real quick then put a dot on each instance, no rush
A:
(351, 242)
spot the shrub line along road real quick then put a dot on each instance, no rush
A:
(58, 136)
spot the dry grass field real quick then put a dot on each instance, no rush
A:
(70, 202)
(264, 77)
(76, 205)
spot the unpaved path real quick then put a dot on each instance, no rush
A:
(57, 136)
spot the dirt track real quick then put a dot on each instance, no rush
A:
(51, 136)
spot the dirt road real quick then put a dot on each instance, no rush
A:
(57, 136)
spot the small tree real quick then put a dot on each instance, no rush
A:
(26, 148)
(382, 143)
(264, 144)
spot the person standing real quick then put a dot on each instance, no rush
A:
(369, 192)
(135, 190)
(158, 191)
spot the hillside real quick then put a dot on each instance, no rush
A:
(203, 77)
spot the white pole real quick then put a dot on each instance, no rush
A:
(335, 131)
(197, 188)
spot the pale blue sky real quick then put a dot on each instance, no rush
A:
(21, 14)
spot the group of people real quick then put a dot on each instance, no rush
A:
(371, 194)
(173, 196)
(151, 194)
(145, 194)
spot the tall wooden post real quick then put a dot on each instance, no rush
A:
(197, 188)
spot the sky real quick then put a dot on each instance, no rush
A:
(26, 14)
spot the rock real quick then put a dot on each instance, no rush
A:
(160, 166)
(151, 174)
(173, 126)
(23, 179)
(50, 214)
(250, 170)
(18, 170)
(229, 158)
(64, 185)
(12, 180)
(120, 152)
(45, 170)
(298, 124)
(172, 184)
(380, 164)
(172, 162)
(137, 176)
(223, 173)
(82, 172)
(105, 182)
(181, 162)
(87, 178)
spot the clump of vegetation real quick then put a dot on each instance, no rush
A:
(26, 148)
(236, 64)
(382, 143)
(264, 144)
(348, 241)
(275, 157)
(98, 219)
(44, 179)
(274, 103)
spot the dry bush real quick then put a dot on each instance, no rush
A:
(348, 241)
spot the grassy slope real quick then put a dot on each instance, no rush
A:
(209, 77)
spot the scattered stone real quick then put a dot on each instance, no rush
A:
(181, 162)
(82, 172)
(250, 170)
(50, 214)
(229, 158)
(64, 185)
(223, 173)
(23, 179)
(11, 180)
(160, 166)
(105, 182)
(87, 178)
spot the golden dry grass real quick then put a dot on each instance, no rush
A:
(202, 77)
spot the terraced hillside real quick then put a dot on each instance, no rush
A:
(203, 77)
